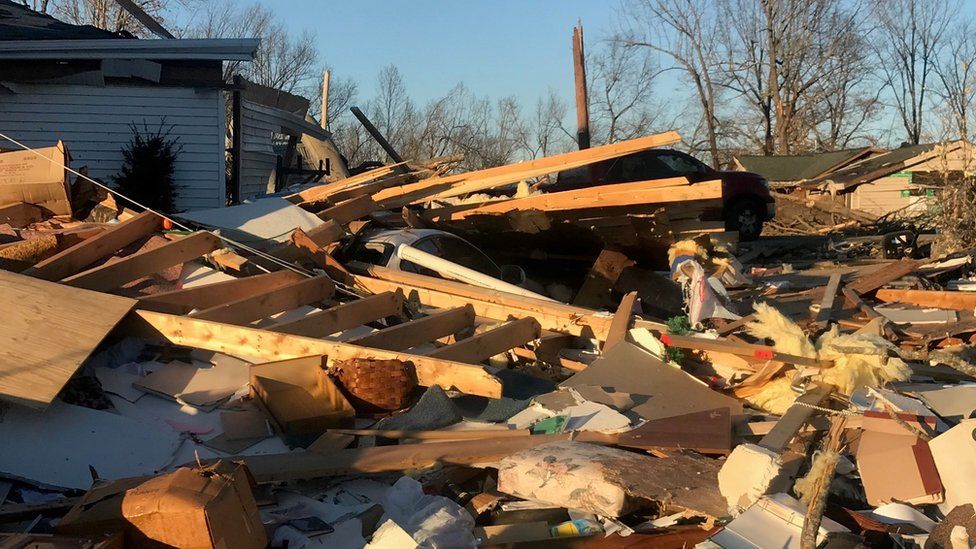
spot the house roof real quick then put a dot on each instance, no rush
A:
(18, 22)
(799, 167)
(29, 35)
(882, 165)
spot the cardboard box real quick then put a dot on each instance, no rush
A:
(299, 396)
(191, 508)
(29, 178)
(894, 463)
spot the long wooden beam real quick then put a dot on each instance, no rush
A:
(266, 345)
(350, 210)
(487, 344)
(115, 274)
(419, 331)
(344, 316)
(210, 295)
(79, 256)
(955, 301)
(322, 192)
(470, 182)
(742, 349)
(443, 294)
(282, 298)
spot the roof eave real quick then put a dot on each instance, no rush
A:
(206, 49)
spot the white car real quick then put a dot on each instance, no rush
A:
(378, 247)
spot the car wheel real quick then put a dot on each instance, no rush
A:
(745, 217)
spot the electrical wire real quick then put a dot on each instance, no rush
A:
(229, 241)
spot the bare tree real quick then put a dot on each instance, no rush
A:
(684, 31)
(107, 14)
(621, 92)
(957, 75)
(909, 40)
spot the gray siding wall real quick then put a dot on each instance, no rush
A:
(94, 124)
(258, 158)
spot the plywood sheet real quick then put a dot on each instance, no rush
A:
(49, 330)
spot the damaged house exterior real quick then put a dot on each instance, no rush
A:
(89, 87)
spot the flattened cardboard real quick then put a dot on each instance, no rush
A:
(186, 508)
(954, 452)
(244, 425)
(299, 396)
(894, 463)
(198, 384)
(667, 391)
(29, 178)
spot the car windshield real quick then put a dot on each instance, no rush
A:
(681, 164)
(456, 250)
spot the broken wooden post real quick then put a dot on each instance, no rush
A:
(582, 100)
(394, 156)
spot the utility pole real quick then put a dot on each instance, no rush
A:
(324, 118)
(582, 101)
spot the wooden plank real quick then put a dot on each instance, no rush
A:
(266, 345)
(112, 275)
(487, 344)
(326, 233)
(350, 210)
(77, 257)
(621, 321)
(440, 293)
(885, 274)
(827, 302)
(322, 192)
(282, 298)
(659, 191)
(419, 331)
(307, 465)
(955, 301)
(210, 295)
(344, 316)
(470, 182)
(795, 418)
(20, 215)
(854, 299)
(596, 288)
(742, 349)
(49, 331)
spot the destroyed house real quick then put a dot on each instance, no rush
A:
(905, 179)
(89, 88)
(788, 170)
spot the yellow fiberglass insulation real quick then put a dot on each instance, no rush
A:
(860, 360)
(822, 461)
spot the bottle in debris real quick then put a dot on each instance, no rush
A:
(575, 528)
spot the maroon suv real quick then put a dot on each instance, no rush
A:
(748, 202)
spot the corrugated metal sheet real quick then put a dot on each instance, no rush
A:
(94, 122)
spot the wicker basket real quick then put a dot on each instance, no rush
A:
(373, 385)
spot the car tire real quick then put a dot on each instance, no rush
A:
(746, 217)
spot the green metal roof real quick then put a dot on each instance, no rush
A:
(798, 167)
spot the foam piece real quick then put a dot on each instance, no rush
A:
(747, 475)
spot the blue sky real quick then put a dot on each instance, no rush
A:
(496, 47)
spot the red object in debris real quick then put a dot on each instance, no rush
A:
(167, 224)
(765, 354)
(666, 339)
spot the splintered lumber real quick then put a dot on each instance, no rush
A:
(271, 346)
(350, 210)
(854, 299)
(599, 282)
(326, 233)
(282, 298)
(378, 459)
(658, 191)
(218, 293)
(344, 316)
(827, 303)
(81, 255)
(20, 215)
(487, 344)
(471, 182)
(419, 331)
(443, 294)
(322, 192)
(795, 418)
(885, 274)
(112, 275)
(49, 331)
(955, 301)
(621, 321)
(763, 352)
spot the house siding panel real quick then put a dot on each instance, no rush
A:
(94, 123)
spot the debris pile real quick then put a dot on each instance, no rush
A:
(330, 367)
